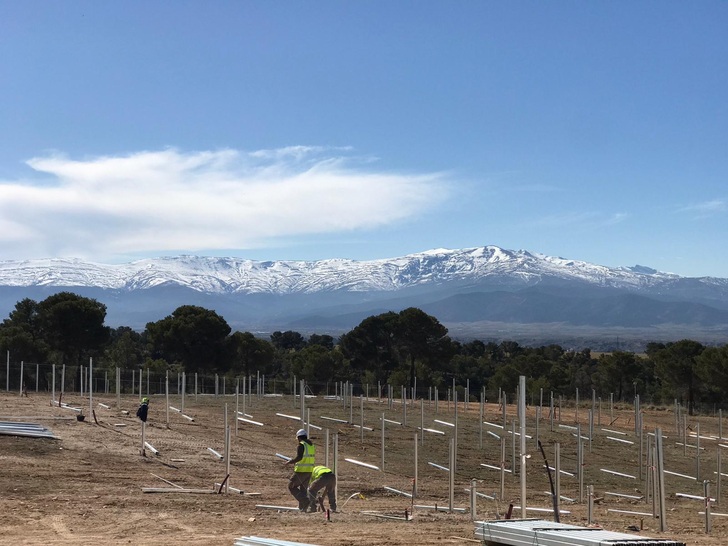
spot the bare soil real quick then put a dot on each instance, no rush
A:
(85, 487)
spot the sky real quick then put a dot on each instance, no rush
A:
(293, 130)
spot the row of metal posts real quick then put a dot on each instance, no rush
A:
(655, 486)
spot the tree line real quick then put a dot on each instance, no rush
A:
(395, 348)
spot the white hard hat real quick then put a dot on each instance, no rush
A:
(301, 432)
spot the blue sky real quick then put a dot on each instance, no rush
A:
(595, 131)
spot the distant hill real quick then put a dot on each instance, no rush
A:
(477, 292)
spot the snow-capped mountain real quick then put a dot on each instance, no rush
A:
(464, 289)
(235, 275)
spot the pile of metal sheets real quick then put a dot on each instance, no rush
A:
(260, 541)
(32, 430)
(546, 533)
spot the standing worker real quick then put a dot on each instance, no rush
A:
(322, 478)
(143, 410)
(303, 465)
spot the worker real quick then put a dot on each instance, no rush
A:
(322, 478)
(303, 465)
(143, 410)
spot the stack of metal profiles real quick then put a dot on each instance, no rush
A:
(260, 541)
(31, 430)
(527, 532)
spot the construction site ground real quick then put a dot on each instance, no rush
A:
(86, 486)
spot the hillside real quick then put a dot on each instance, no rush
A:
(467, 290)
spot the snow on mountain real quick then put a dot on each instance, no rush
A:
(239, 276)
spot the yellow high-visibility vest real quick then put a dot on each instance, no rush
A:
(319, 471)
(309, 456)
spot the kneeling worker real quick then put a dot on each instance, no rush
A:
(322, 478)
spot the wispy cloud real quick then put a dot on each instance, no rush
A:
(706, 208)
(157, 201)
(583, 219)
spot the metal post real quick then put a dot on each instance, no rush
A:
(557, 476)
(90, 387)
(422, 421)
(580, 462)
(455, 433)
(480, 423)
(590, 505)
(451, 497)
(383, 441)
(473, 498)
(591, 428)
(166, 396)
(404, 405)
(661, 480)
(414, 483)
(503, 470)
(513, 448)
(706, 493)
(522, 411)
(718, 480)
(228, 455)
(336, 461)
(697, 453)
(326, 449)
(551, 412)
(144, 426)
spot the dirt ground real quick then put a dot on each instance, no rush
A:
(86, 486)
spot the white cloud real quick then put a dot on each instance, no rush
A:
(174, 201)
(706, 208)
(584, 219)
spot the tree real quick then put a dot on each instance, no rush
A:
(420, 336)
(126, 349)
(316, 364)
(250, 353)
(20, 333)
(712, 369)
(325, 341)
(617, 372)
(288, 340)
(370, 345)
(72, 326)
(675, 366)
(193, 336)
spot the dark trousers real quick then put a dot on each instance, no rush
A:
(327, 482)
(297, 485)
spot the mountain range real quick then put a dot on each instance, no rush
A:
(485, 293)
